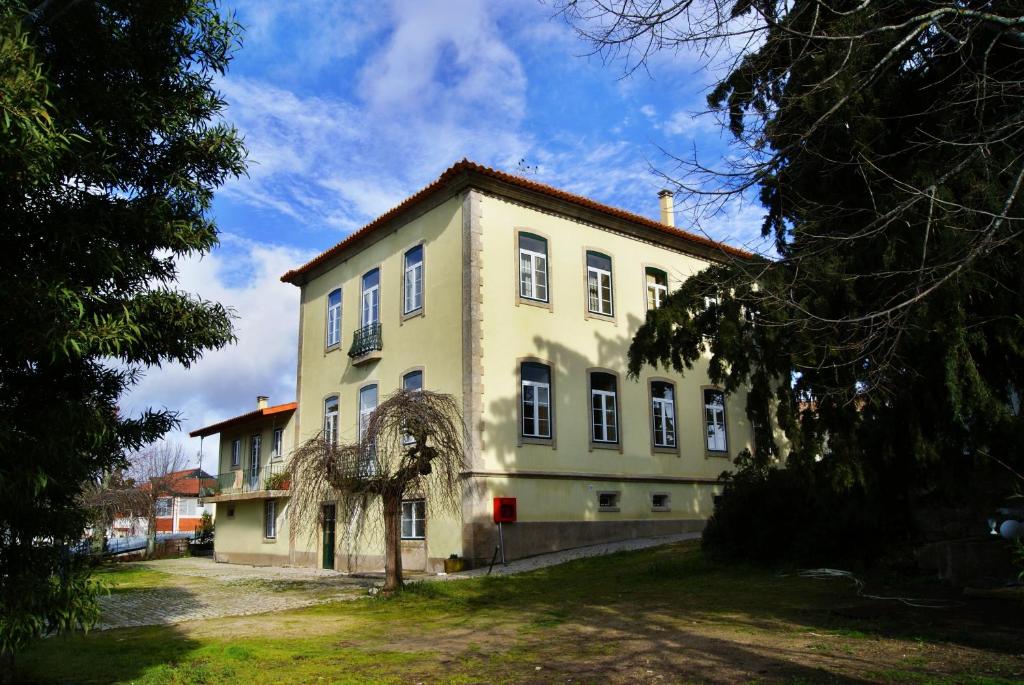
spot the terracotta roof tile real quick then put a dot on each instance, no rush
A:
(182, 483)
(470, 168)
(242, 418)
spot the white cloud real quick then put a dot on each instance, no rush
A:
(442, 85)
(691, 124)
(243, 275)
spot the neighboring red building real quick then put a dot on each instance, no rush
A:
(179, 510)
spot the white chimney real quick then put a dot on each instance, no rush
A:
(262, 401)
(668, 209)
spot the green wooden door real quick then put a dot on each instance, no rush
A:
(328, 543)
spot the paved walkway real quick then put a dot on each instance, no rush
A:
(201, 588)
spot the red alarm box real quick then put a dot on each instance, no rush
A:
(504, 509)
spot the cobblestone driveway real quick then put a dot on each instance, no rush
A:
(200, 588)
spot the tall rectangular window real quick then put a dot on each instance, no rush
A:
(535, 380)
(371, 298)
(270, 519)
(411, 382)
(334, 317)
(604, 407)
(657, 287)
(414, 520)
(255, 457)
(367, 403)
(663, 414)
(236, 453)
(413, 286)
(533, 267)
(599, 284)
(714, 420)
(331, 420)
(278, 447)
(164, 506)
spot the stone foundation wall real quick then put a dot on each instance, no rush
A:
(527, 539)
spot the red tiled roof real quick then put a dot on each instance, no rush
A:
(183, 483)
(468, 168)
(237, 420)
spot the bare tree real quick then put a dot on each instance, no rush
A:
(154, 469)
(115, 495)
(413, 442)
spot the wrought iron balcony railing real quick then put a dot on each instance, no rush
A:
(271, 476)
(366, 340)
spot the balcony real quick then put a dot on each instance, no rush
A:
(366, 344)
(269, 477)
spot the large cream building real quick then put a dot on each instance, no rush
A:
(521, 301)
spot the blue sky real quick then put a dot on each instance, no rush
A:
(348, 107)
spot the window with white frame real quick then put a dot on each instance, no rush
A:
(413, 285)
(535, 380)
(164, 506)
(533, 267)
(714, 420)
(599, 284)
(334, 317)
(367, 403)
(270, 519)
(657, 287)
(331, 420)
(187, 506)
(236, 453)
(414, 521)
(411, 382)
(255, 457)
(278, 447)
(663, 414)
(604, 407)
(371, 298)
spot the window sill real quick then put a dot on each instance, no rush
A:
(608, 510)
(332, 348)
(617, 447)
(415, 314)
(269, 541)
(661, 510)
(599, 317)
(709, 454)
(534, 303)
(422, 539)
(674, 451)
(544, 442)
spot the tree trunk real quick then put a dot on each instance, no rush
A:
(392, 542)
(151, 533)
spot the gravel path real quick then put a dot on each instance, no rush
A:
(200, 588)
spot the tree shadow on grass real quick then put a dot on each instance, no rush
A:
(146, 654)
(124, 646)
(676, 612)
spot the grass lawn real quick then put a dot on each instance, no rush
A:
(657, 616)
